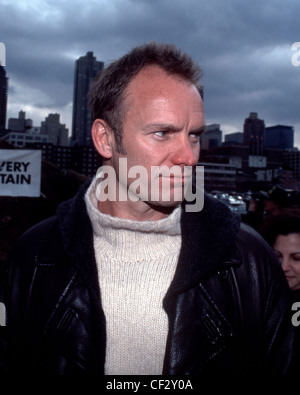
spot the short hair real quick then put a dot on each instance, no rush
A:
(106, 94)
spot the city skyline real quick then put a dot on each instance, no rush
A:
(86, 68)
(245, 50)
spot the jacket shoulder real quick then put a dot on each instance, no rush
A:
(32, 240)
(38, 231)
(259, 264)
(23, 258)
(250, 242)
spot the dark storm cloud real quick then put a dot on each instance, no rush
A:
(244, 48)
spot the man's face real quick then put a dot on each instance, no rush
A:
(162, 124)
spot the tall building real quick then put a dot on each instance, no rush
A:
(86, 68)
(82, 159)
(20, 124)
(212, 137)
(291, 158)
(234, 138)
(3, 99)
(254, 131)
(279, 136)
(57, 133)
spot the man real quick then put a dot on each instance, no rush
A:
(126, 281)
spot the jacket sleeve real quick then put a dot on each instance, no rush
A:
(18, 276)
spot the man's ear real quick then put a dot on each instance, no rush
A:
(102, 138)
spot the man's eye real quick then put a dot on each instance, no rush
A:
(161, 133)
(195, 136)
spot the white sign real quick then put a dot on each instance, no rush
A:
(257, 161)
(20, 172)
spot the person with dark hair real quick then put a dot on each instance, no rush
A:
(283, 234)
(126, 279)
(264, 205)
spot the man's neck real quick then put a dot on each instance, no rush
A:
(137, 211)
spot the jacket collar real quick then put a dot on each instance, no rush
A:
(77, 239)
(208, 244)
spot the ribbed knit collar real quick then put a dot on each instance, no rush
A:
(169, 225)
(133, 240)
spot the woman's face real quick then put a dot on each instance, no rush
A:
(287, 248)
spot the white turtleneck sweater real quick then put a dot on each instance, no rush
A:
(136, 263)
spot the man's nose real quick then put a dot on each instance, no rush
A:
(186, 154)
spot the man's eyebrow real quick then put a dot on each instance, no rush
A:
(199, 130)
(170, 126)
(162, 126)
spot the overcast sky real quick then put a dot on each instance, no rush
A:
(243, 46)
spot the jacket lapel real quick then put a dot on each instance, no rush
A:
(198, 330)
(208, 239)
(76, 231)
(71, 328)
(198, 333)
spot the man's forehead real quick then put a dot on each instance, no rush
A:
(147, 76)
(152, 70)
(153, 80)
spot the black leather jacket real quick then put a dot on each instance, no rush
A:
(228, 305)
